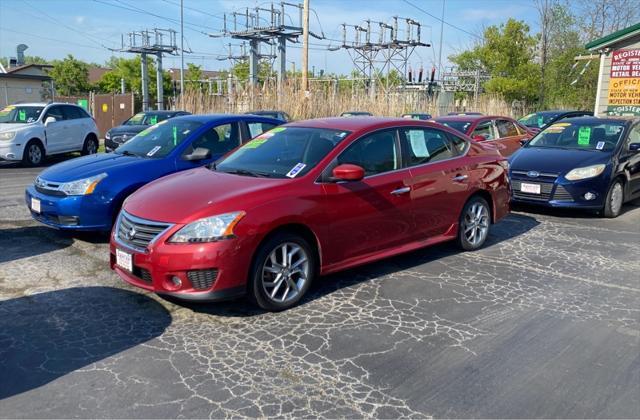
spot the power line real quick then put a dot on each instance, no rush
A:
(66, 42)
(195, 10)
(442, 20)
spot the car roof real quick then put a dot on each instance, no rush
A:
(42, 104)
(468, 117)
(214, 117)
(160, 111)
(597, 120)
(358, 123)
(264, 111)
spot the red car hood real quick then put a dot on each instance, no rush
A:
(191, 195)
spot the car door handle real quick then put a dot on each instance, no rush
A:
(401, 191)
(459, 178)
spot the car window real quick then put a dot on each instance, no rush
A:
(484, 129)
(634, 136)
(376, 153)
(460, 145)
(218, 140)
(583, 135)
(16, 114)
(506, 128)
(425, 145)
(71, 112)
(157, 141)
(55, 112)
(257, 128)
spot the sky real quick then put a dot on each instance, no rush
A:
(91, 29)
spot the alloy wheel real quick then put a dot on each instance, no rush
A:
(35, 155)
(92, 148)
(285, 272)
(616, 198)
(476, 224)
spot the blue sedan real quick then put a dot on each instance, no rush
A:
(585, 163)
(86, 193)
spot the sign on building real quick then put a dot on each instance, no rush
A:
(624, 83)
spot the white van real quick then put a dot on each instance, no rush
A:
(30, 132)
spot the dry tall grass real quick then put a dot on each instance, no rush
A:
(323, 102)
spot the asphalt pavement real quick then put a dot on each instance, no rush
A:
(542, 322)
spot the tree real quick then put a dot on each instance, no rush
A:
(507, 53)
(193, 77)
(602, 17)
(129, 69)
(70, 76)
(241, 70)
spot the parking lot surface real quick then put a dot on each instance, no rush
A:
(542, 322)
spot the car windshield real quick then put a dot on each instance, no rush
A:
(20, 114)
(579, 136)
(146, 118)
(282, 152)
(461, 126)
(159, 140)
(539, 119)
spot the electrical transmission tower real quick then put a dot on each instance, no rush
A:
(376, 48)
(464, 81)
(151, 42)
(260, 25)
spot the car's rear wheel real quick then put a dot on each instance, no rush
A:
(90, 146)
(33, 153)
(614, 200)
(474, 224)
(282, 272)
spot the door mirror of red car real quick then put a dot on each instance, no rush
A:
(479, 138)
(348, 172)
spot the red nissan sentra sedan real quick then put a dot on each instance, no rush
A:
(506, 133)
(307, 199)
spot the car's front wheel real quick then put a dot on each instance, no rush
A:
(474, 224)
(614, 200)
(282, 272)
(33, 153)
(90, 146)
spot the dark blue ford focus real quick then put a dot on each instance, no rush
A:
(86, 193)
(588, 163)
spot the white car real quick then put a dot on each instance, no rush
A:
(29, 132)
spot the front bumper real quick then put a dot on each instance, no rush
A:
(11, 151)
(156, 267)
(562, 193)
(86, 212)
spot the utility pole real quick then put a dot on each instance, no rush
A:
(145, 82)
(305, 49)
(159, 83)
(441, 41)
(181, 54)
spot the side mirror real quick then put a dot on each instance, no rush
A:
(348, 172)
(524, 141)
(634, 147)
(200, 153)
(49, 120)
(479, 138)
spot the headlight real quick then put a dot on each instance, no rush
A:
(208, 229)
(107, 136)
(586, 172)
(82, 186)
(7, 135)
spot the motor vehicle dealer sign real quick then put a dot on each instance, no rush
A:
(624, 83)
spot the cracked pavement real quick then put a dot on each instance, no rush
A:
(542, 322)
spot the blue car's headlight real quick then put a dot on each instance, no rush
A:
(585, 173)
(82, 186)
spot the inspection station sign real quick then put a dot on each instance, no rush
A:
(624, 83)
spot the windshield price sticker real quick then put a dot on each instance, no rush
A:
(584, 136)
(254, 143)
(600, 145)
(277, 129)
(296, 170)
(153, 151)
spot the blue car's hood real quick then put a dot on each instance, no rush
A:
(557, 161)
(86, 166)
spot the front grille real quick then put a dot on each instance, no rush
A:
(561, 194)
(202, 279)
(49, 188)
(545, 191)
(142, 274)
(136, 232)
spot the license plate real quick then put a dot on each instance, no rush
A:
(124, 260)
(35, 205)
(530, 188)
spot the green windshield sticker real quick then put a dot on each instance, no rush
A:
(22, 115)
(175, 135)
(153, 119)
(84, 103)
(254, 143)
(278, 129)
(584, 135)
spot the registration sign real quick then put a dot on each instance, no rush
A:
(124, 260)
(35, 205)
(530, 188)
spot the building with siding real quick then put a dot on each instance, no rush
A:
(28, 83)
(618, 90)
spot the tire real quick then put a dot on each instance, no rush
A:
(299, 271)
(90, 146)
(614, 200)
(474, 224)
(33, 153)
